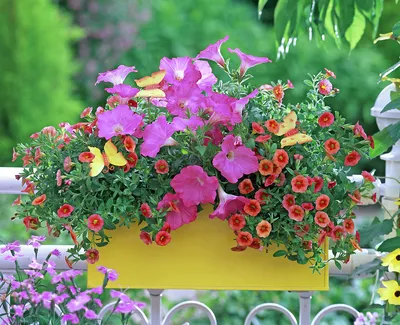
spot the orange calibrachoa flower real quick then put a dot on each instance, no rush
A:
(352, 158)
(356, 197)
(236, 222)
(129, 144)
(92, 255)
(299, 184)
(296, 212)
(65, 211)
(252, 208)
(348, 225)
(307, 206)
(163, 238)
(17, 201)
(68, 164)
(261, 196)
(326, 119)
(145, 237)
(281, 158)
(332, 146)
(31, 223)
(322, 219)
(322, 202)
(276, 170)
(39, 200)
(95, 222)
(278, 93)
(263, 229)
(263, 138)
(270, 180)
(288, 201)
(257, 128)
(337, 233)
(244, 238)
(86, 157)
(161, 166)
(145, 210)
(256, 243)
(132, 159)
(367, 176)
(272, 126)
(246, 186)
(265, 167)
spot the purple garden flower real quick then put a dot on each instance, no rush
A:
(248, 61)
(78, 303)
(55, 252)
(111, 274)
(116, 76)
(213, 52)
(179, 70)
(71, 318)
(124, 91)
(183, 98)
(14, 246)
(35, 265)
(125, 305)
(90, 314)
(207, 77)
(35, 241)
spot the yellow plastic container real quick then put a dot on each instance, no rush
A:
(199, 257)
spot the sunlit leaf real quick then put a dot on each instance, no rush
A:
(376, 16)
(385, 139)
(261, 5)
(389, 245)
(394, 104)
(346, 15)
(356, 30)
(396, 30)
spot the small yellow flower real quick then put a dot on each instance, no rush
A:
(397, 202)
(391, 293)
(392, 260)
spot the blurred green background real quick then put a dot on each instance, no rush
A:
(52, 50)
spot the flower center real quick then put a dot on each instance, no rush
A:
(398, 257)
(230, 155)
(397, 294)
(95, 222)
(201, 182)
(179, 74)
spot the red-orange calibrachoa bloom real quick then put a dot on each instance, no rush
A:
(31, 223)
(278, 93)
(370, 138)
(326, 119)
(288, 201)
(265, 167)
(17, 201)
(236, 221)
(356, 197)
(256, 244)
(132, 159)
(161, 166)
(145, 210)
(65, 211)
(163, 238)
(95, 222)
(129, 144)
(297, 156)
(367, 176)
(244, 238)
(39, 200)
(92, 255)
(166, 227)
(270, 180)
(86, 157)
(281, 158)
(337, 232)
(86, 112)
(276, 170)
(246, 186)
(299, 184)
(318, 183)
(296, 212)
(307, 206)
(145, 237)
(261, 196)
(252, 208)
(332, 146)
(263, 138)
(322, 202)
(257, 128)
(68, 164)
(348, 225)
(322, 219)
(263, 229)
(272, 126)
(352, 158)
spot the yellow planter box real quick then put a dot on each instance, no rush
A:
(199, 257)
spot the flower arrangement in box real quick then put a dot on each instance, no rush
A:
(181, 138)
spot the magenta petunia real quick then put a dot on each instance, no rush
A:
(178, 214)
(213, 52)
(192, 123)
(248, 61)
(179, 69)
(124, 91)
(207, 77)
(116, 76)
(234, 161)
(228, 204)
(156, 135)
(194, 186)
(183, 98)
(119, 121)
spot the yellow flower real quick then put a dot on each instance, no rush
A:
(391, 293)
(397, 202)
(392, 260)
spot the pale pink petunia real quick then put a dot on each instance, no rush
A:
(248, 61)
(119, 121)
(213, 52)
(179, 69)
(156, 135)
(178, 214)
(183, 98)
(228, 204)
(116, 76)
(235, 161)
(207, 77)
(192, 123)
(194, 186)
(124, 91)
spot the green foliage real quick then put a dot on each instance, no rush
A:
(385, 139)
(376, 229)
(36, 69)
(390, 244)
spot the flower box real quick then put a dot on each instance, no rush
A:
(199, 257)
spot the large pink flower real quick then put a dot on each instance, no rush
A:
(248, 61)
(183, 98)
(124, 91)
(116, 76)
(156, 135)
(194, 186)
(192, 123)
(213, 52)
(121, 120)
(178, 69)
(207, 77)
(228, 204)
(178, 214)
(234, 161)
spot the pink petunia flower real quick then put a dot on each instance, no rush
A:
(65, 211)
(183, 98)
(207, 77)
(95, 222)
(228, 204)
(235, 161)
(121, 120)
(192, 123)
(124, 91)
(116, 76)
(156, 135)
(213, 52)
(194, 186)
(178, 69)
(178, 214)
(248, 61)
(325, 87)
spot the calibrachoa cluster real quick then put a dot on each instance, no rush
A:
(180, 138)
(25, 302)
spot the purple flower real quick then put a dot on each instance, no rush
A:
(116, 76)
(34, 274)
(248, 61)
(35, 265)
(90, 314)
(34, 241)
(193, 123)
(184, 98)
(14, 246)
(66, 275)
(228, 204)
(207, 77)
(213, 52)
(124, 91)
(111, 274)
(120, 120)
(60, 288)
(97, 290)
(20, 309)
(125, 305)
(179, 69)
(12, 258)
(78, 303)
(71, 318)
(55, 252)
(47, 298)
(98, 302)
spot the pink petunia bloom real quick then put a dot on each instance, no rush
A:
(178, 69)
(235, 161)
(156, 135)
(124, 91)
(183, 98)
(194, 186)
(178, 214)
(192, 123)
(248, 61)
(359, 131)
(207, 77)
(95, 222)
(213, 52)
(121, 120)
(228, 204)
(116, 76)
(325, 87)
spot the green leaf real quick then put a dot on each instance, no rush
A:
(346, 14)
(394, 95)
(394, 104)
(184, 151)
(396, 30)
(284, 11)
(356, 30)
(365, 6)
(279, 253)
(377, 228)
(261, 5)
(338, 265)
(389, 245)
(376, 16)
(385, 139)
(367, 268)
(201, 149)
